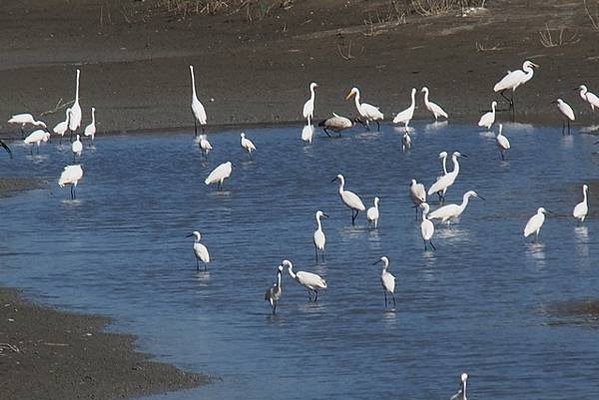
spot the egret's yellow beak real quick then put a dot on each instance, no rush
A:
(349, 95)
(535, 65)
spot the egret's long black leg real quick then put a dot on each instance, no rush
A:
(432, 245)
(195, 126)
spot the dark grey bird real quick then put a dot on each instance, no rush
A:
(273, 294)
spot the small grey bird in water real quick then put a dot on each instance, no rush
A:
(273, 294)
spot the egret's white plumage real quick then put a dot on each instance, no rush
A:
(308, 133)
(444, 182)
(308, 111)
(417, 194)
(406, 115)
(200, 251)
(488, 119)
(535, 223)
(443, 157)
(319, 237)
(451, 212)
(387, 280)
(219, 174)
(197, 108)
(372, 215)
(427, 229)
(62, 127)
(246, 144)
(567, 113)
(205, 145)
(336, 123)
(461, 394)
(582, 209)
(273, 294)
(36, 138)
(503, 144)
(433, 107)
(513, 79)
(589, 97)
(71, 176)
(75, 116)
(90, 130)
(312, 282)
(350, 199)
(366, 111)
(25, 119)
(77, 147)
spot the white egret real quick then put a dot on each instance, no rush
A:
(319, 238)
(197, 109)
(451, 212)
(62, 127)
(25, 119)
(219, 174)
(336, 123)
(372, 215)
(273, 294)
(444, 182)
(433, 107)
(417, 194)
(387, 280)
(443, 157)
(567, 113)
(205, 145)
(461, 394)
(406, 115)
(90, 130)
(246, 144)
(535, 223)
(36, 138)
(77, 148)
(308, 133)
(350, 199)
(312, 282)
(589, 97)
(427, 229)
(199, 250)
(366, 111)
(308, 111)
(513, 79)
(71, 176)
(582, 209)
(502, 143)
(75, 116)
(488, 119)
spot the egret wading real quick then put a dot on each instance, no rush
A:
(219, 174)
(273, 294)
(372, 215)
(502, 143)
(24, 120)
(336, 123)
(200, 251)
(308, 133)
(405, 116)
(443, 157)
(312, 282)
(35, 138)
(582, 209)
(461, 394)
(350, 199)
(427, 229)
(368, 112)
(308, 111)
(319, 237)
(75, 115)
(77, 148)
(567, 114)
(589, 97)
(247, 145)
(387, 280)
(62, 127)
(90, 130)
(71, 176)
(197, 108)
(444, 182)
(513, 79)
(535, 223)
(488, 119)
(204, 144)
(417, 194)
(433, 107)
(452, 212)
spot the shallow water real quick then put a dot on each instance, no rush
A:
(481, 303)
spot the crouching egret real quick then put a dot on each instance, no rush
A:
(589, 97)
(535, 223)
(71, 176)
(319, 238)
(200, 251)
(308, 111)
(502, 143)
(205, 145)
(453, 211)
(582, 209)
(273, 294)
(26, 119)
(417, 194)
(372, 215)
(461, 394)
(387, 280)
(219, 174)
(350, 199)
(427, 229)
(513, 79)
(406, 115)
(36, 138)
(567, 113)
(197, 108)
(488, 119)
(246, 144)
(312, 282)
(444, 182)
(366, 111)
(336, 123)
(432, 107)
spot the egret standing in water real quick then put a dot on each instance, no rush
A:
(406, 115)
(200, 251)
(90, 130)
(273, 294)
(417, 194)
(62, 127)
(312, 282)
(432, 107)
(219, 174)
(589, 97)
(247, 145)
(387, 280)
(25, 119)
(36, 138)
(372, 215)
(535, 223)
(308, 133)
(461, 394)
(567, 113)
(443, 183)
(502, 143)
(197, 108)
(451, 212)
(71, 176)
(319, 238)
(77, 148)
(366, 111)
(336, 123)
(205, 145)
(350, 199)
(582, 209)
(443, 157)
(513, 79)
(75, 115)
(488, 119)
(308, 111)
(427, 229)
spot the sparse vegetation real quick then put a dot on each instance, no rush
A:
(557, 37)
(594, 17)
(438, 7)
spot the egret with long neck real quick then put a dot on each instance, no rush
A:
(319, 237)
(197, 108)
(451, 212)
(350, 199)
(449, 178)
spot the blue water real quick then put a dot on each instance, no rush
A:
(481, 303)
